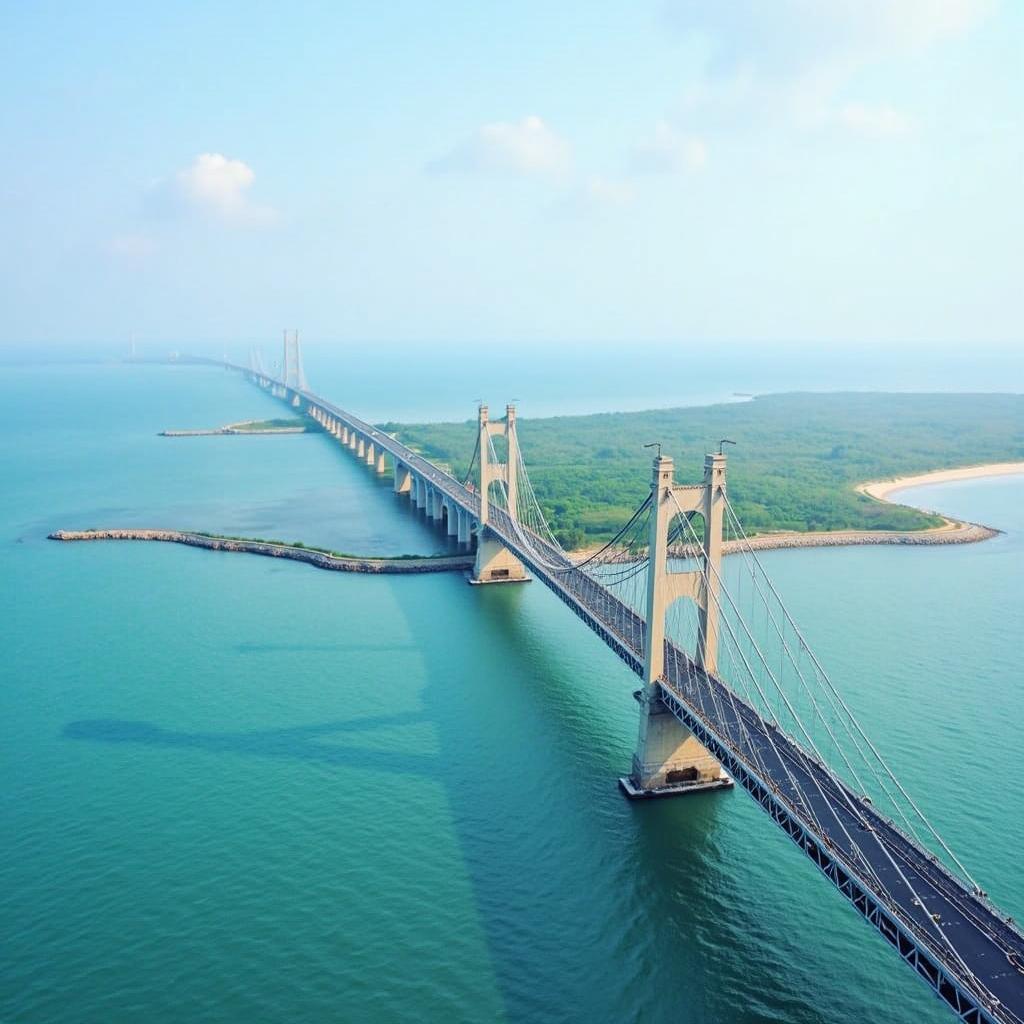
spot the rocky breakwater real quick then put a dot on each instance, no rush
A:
(953, 532)
(274, 549)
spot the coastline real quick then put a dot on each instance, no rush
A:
(881, 489)
(952, 531)
(311, 556)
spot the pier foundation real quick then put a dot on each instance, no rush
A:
(496, 564)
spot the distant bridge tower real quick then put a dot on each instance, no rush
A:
(494, 562)
(293, 375)
(669, 759)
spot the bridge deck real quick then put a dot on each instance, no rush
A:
(953, 937)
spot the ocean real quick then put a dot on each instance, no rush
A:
(239, 790)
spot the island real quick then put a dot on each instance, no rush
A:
(797, 470)
(278, 426)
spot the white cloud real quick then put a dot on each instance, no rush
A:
(909, 23)
(794, 33)
(668, 151)
(880, 122)
(793, 60)
(525, 147)
(214, 180)
(215, 187)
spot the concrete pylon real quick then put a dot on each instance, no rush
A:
(453, 518)
(361, 448)
(465, 526)
(403, 478)
(371, 454)
(492, 471)
(669, 759)
(381, 465)
(494, 562)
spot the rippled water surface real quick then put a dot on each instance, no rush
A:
(238, 790)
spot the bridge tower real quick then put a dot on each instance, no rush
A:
(669, 760)
(293, 375)
(494, 562)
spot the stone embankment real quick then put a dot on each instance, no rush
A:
(952, 533)
(320, 559)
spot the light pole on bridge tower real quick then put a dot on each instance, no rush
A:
(669, 759)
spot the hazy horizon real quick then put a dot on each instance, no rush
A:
(422, 382)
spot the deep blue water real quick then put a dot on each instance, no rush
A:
(238, 790)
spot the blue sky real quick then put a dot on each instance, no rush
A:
(785, 174)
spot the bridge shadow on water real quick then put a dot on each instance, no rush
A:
(689, 945)
(592, 907)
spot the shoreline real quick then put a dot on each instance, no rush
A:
(311, 556)
(881, 489)
(952, 531)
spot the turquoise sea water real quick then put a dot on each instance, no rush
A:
(244, 791)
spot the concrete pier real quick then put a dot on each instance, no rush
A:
(495, 563)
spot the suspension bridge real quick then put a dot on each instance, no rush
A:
(731, 693)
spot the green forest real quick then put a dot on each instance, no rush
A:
(795, 464)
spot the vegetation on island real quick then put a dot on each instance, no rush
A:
(277, 424)
(795, 465)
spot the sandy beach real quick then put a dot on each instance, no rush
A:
(881, 489)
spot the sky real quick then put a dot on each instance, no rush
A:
(772, 173)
